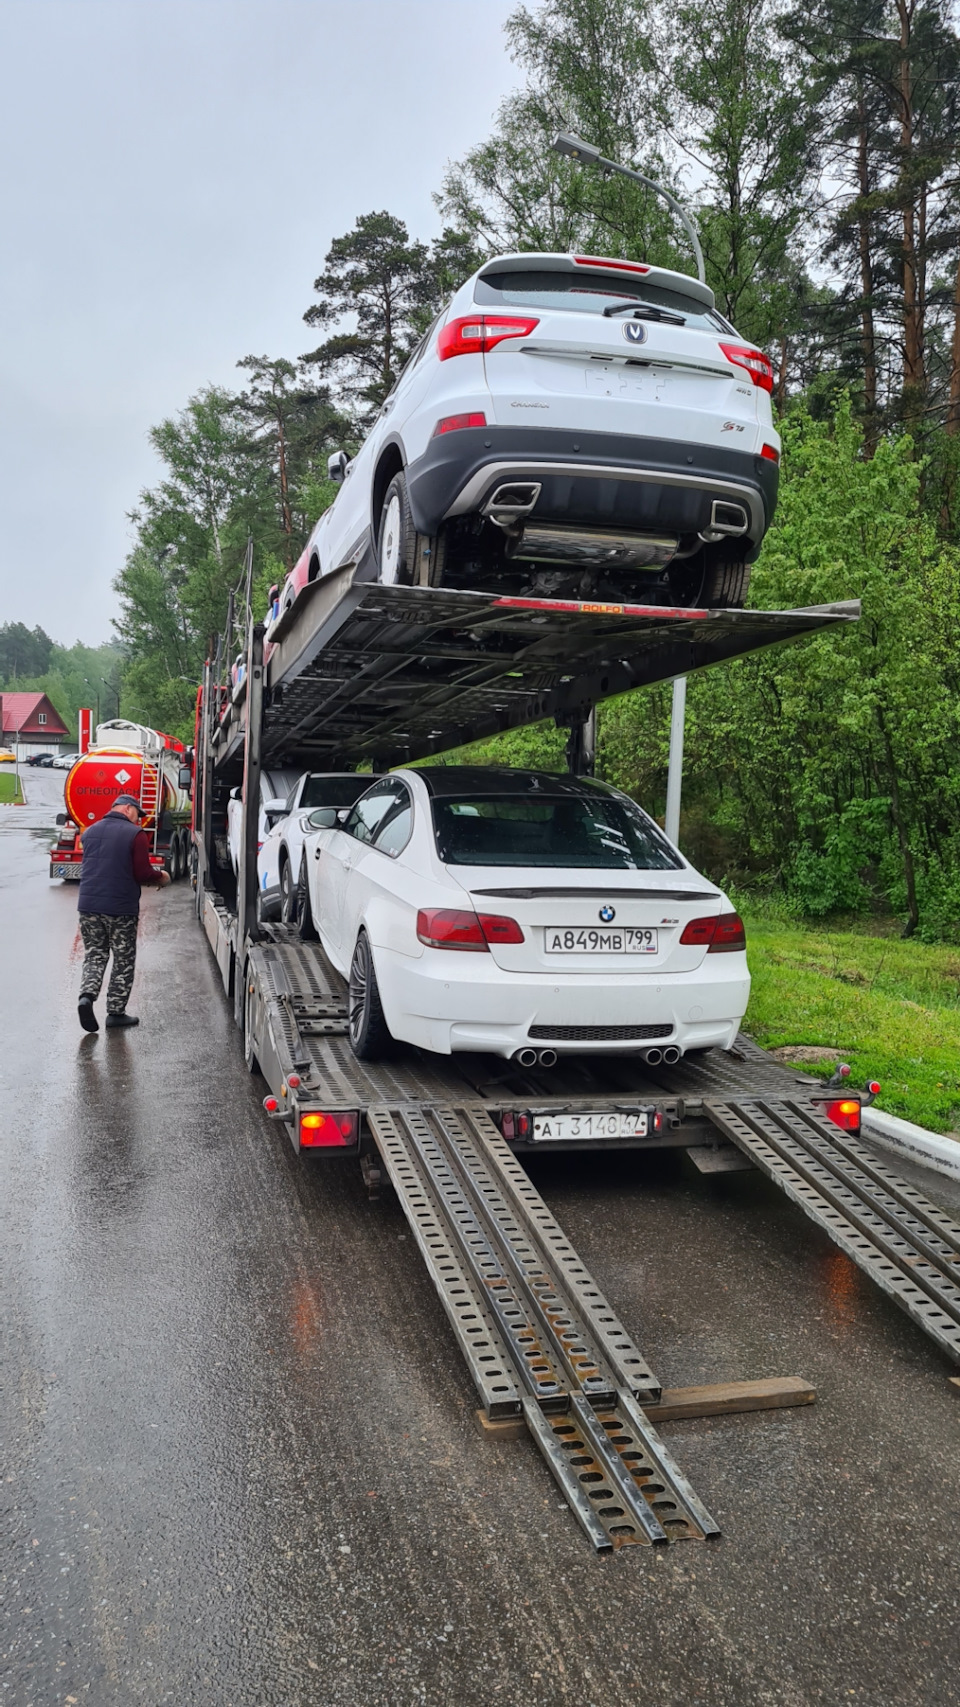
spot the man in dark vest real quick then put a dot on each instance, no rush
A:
(116, 861)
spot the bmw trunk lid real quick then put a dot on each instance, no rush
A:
(616, 922)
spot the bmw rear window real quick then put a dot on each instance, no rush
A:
(590, 293)
(601, 833)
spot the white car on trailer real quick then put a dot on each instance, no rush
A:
(524, 915)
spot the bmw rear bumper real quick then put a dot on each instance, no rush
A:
(606, 480)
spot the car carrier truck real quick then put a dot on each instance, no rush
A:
(364, 675)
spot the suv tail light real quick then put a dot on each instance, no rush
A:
(474, 334)
(756, 364)
(615, 266)
(457, 423)
(721, 934)
(449, 927)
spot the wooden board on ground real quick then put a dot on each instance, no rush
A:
(725, 1398)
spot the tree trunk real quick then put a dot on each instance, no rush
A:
(867, 330)
(913, 366)
(953, 411)
(284, 489)
(906, 852)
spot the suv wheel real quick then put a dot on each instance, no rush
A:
(397, 540)
(725, 583)
(370, 1036)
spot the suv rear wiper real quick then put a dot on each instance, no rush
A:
(646, 312)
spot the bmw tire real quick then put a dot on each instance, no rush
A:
(288, 895)
(304, 912)
(369, 1033)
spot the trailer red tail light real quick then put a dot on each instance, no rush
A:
(271, 1105)
(457, 423)
(615, 266)
(496, 928)
(873, 1086)
(328, 1131)
(845, 1114)
(754, 362)
(514, 1124)
(448, 927)
(475, 334)
(722, 933)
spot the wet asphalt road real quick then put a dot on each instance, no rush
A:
(239, 1461)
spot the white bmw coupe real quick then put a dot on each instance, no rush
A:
(523, 915)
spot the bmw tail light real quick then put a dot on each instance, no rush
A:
(723, 933)
(729, 936)
(457, 423)
(845, 1114)
(321, 1131)
(496, 928)
(449, 927)
(755, 363)
(475, 334)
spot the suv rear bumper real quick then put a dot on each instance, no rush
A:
(616, 481)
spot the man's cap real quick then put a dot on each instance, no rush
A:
(128, 800)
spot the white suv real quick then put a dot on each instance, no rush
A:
(570, 426)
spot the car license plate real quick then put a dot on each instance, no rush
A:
(616, 1124)
(629, 939)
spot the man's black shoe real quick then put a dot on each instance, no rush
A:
(115, 1020)
(88, 1018)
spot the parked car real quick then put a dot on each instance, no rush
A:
(278, 862)
(504, 911)
(44, 760)
(570, 425)
(275, 786)
(6, 757)
(65, 761)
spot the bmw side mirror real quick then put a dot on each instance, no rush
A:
(323, 818)
(343, 814)
(337, 465)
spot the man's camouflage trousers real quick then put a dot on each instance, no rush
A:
(104, 935)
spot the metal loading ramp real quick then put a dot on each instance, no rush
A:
(908, 1246)
(360, 673)
(538, 1335)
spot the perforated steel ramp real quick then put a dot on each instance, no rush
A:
(887, 1227)
(538, 1335)
(361, 672)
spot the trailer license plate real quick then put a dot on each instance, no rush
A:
(555, 1127)
(566, 939)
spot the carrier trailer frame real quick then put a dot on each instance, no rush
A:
(358, 674)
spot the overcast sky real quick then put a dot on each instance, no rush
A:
(173, 173)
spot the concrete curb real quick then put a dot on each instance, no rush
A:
(915, 1142)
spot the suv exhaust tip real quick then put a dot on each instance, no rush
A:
(727, 521)
(511, 502)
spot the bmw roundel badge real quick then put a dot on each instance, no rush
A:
(634, 331)
(607, 914)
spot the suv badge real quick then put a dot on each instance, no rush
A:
(634, 331)
(607, 914)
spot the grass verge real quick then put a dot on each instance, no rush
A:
(9, 791)
(892, 1008)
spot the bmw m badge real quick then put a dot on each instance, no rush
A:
(607, 915)
(634, 331)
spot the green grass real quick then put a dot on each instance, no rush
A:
(9, 792)
(891, 1007)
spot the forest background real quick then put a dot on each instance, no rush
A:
(819, 148)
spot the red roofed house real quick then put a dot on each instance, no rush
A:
(30, 724)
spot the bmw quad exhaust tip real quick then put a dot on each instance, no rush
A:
(653, 1057)
(671, 1055)
(535, 1057)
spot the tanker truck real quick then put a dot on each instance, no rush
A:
(128, 758)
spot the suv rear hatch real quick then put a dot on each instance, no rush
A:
(651, 367)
